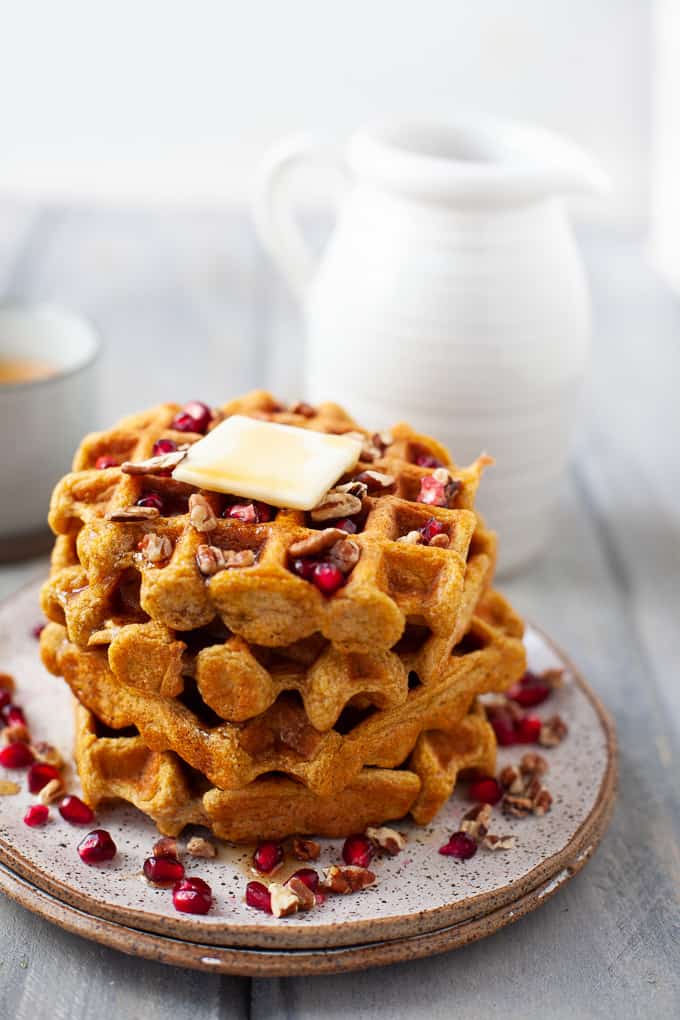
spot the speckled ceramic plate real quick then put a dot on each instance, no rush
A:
(421, 899)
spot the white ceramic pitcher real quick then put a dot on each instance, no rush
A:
(450, 295)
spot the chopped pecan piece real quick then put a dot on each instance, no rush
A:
(305, 849)
(517, 805)
(8, 788)
(375, 481)
(553, 677)
(345, 879)
(336, 504)
(305, 896)
(303, 408)
(510, 779)
(155, 548)
(411, 538)
(283, 900)
(201, 514)
(154, 465)
(210, 559)
(200, 847)
(15, 733)
(475, 822)
(440, 541)
(354, 488)
(131, 514)
(317, 542)
(542, 802)
(553, 732)
(533, 764)
(47, 753)
(51, 791)
(387, 839)
(7, 681)
(166, 847)
(345, 555)
(492, 842)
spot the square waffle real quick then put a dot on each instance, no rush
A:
(282, 739)
(119, 766)
(99, 572)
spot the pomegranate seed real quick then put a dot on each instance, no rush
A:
(460, 845)
(328, 578)
(36, 814)
(194, 417)
(76, 811)
(163, 870)
(319, 899)
(153, 499)
(37, 630)
(14, 716)
(97, 847)
(527, 730)
(259, 897)
(267, 857)
(504, 729)
(5, 698)
(530, 691)
(105, 461)
(309, 876)
(305, 568)
(432, 492)
(16, 756)
(357, 850)
(485, 791)
(426, 460)
(162, 446)
(40, 774)
(346, 524)
(192, 896)
(430, 529)
(246, 512)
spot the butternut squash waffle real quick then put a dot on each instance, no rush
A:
(119, 766)
(100, 571)
(282, 739)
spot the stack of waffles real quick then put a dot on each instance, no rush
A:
(217, 684)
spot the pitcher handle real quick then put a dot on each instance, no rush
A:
(274, 217)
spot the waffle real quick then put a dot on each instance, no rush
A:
(282, 739)
(98, 573)
(119, 766)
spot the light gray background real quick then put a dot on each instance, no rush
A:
(190, 308)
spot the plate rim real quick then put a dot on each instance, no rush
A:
(351, 932)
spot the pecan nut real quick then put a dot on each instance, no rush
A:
(411, 538)
(389, 840)
(491, 842)
(375, 481)
(533, 764)
(15, 733)
(305, 849)
(305, 896)
(303, 408)
(166, 847)
(51, 791)
(317, 542)
(345, 879)
(517, 805)
(155, 548)
(553, 732)
(210, 559)
(283, 900)
(201, 515)
(47, 753)
(130, 514)
(200, 847)
(336, 504)
(155, 465)
(475, 822)
(344, 554)
(440, 541)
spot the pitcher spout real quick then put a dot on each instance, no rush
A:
(474, 160)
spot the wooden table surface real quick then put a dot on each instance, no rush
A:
(189, 307)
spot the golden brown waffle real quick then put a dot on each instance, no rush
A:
(99, 573)
(282, 738)
(115, 766)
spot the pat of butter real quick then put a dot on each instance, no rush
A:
(278, 464)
